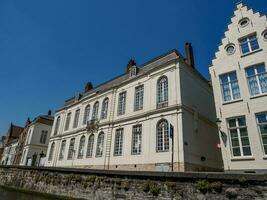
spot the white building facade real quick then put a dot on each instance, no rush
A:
(36, 143)
(239, 80)
(9, 152)
(127, 123)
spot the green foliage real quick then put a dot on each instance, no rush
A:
(231, 194)
(170, 185)
(151, 187)
(203, 186)
(146, 187)
(216, 186)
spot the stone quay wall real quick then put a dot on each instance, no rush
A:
(102, 184)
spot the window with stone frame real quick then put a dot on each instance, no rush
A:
(67, 123)
(104, 111)
(163, 136)
(239, 139)
(71, 151)
(137, 139)
(249, 44)
(57, 125)
(76, 118)
(90, 146)
(139, 98)
(81, 147)
(162, 92)
(43, 136)
(51, 153)
(262, 125)
(62, 150)
(86, 114)
(122, 103)
(95, 111)
(118, 142)
(100, 145)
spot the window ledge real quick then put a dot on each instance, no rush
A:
(258, 96)
(243, 158)
(252, 52)
(234, 101)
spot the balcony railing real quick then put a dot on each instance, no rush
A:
(92, 125)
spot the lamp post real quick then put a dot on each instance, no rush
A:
(41, 156)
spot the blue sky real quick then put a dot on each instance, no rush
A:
(50, 49)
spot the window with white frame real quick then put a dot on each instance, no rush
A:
(240, 144)
(122, 103)
(249, 44)
(163, 136)
(139, 98)
(133, 71)
(162, 92)
(51, 153)
(118, 142)
(62, 150)
(90, 146)
(43, 137)
(262, 124)
(257, 79)
(71, 149)
(76, 118)
(229, 87)
(81, 147)
(57, 125)
(95, 111)
(86, 114)
(100, 145)
(104, 112)
(137, 139)
(67, 123)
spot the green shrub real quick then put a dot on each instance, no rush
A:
(203, 186)
(216, 186)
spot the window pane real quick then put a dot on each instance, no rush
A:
(241, 121)
(262, 118)
(234, 133)
(232, 123)
(236, 152)
(254, 44)
(235, 142)
(263, 82)
(246, 151)
(243, 132)
(244, 48)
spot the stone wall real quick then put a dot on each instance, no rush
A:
(101, 184)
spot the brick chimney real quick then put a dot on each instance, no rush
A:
(189, 55)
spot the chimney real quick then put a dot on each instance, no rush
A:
(88, 87)
(27, 122)
(130, 64)
(189, 55)
(49, 112)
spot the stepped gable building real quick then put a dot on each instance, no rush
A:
(135, 121)
(239, 79)
(35, 142)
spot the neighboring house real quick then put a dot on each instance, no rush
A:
(8, 143)
(127, 122)
(9, 152)
(1, 149)
(36, 142)
(21, 142)
(239, 80)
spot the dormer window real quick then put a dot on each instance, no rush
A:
(133, 71)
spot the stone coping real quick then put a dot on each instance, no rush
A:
(152, 175)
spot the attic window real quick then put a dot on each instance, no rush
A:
(243, 22)
(230, 49)
(133, 71)
(264, 34)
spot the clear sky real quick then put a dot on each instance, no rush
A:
(50, 49)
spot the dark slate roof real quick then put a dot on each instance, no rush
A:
(44, 119)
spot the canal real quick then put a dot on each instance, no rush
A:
(6, 194)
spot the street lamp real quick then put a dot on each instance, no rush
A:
(219, 123)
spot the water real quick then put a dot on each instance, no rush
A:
(6, 194)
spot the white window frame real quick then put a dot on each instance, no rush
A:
(139, 98)
(51, 152)
(100, 144)
(247, 40)
(257, 78)
(137, 139)
(104, 111)
(76, 118)
(122, 103)
(237, 127)
(67, 123)
(95, 111)
(162, 92)
(71, 151)
(163, 136)
(81, 147)
(62, 150)
(118, 142)
(90, 146)
(57, 125)
(229, 83)
(86, 114)
(260, 134)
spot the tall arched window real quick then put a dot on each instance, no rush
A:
(52, 148)
(57, 126)
(90, 146)
(162, 92)
(86, 114)
(104, 112)
(62, 150)
(81, 147)
(162, 136)
(71, 149)
(95, 111)
(100, 145)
